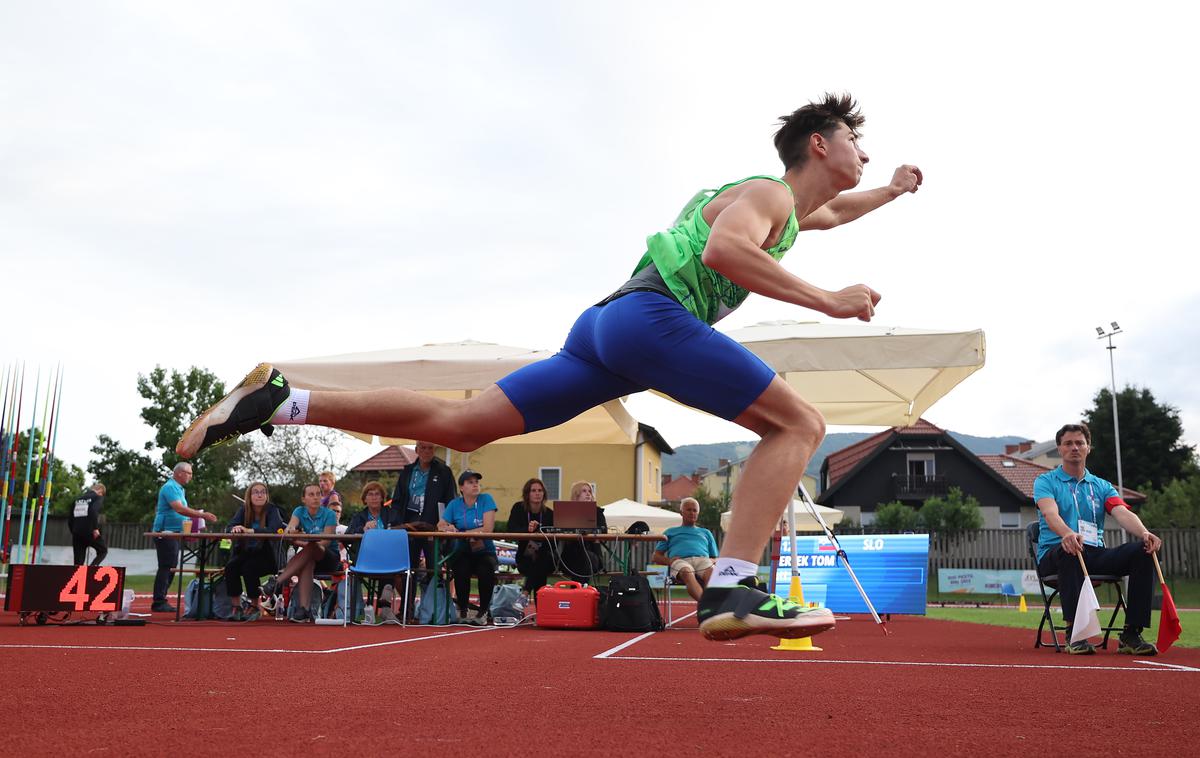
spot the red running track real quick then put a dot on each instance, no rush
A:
(281, 689)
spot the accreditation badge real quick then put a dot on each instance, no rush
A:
(1090, 534)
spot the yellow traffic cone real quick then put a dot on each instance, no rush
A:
(1022, 607)
(796, 595)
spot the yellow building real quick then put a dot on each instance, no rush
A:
(616, 471)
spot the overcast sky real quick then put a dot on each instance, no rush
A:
(215, 184)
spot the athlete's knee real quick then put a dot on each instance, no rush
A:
(800, 418)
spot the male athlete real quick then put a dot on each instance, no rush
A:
(655, 332)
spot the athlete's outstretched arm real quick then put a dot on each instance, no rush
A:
(848, 206)
(734, 250)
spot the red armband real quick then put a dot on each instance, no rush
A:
(1113, 502)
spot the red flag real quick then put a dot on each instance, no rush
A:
(1169, 627)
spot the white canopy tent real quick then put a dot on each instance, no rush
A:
(854, 373)
(622, 513)
(863, 374)
(804, 519)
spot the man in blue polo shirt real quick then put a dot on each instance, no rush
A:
(1072, 505)
(689, 551)
(169, 514)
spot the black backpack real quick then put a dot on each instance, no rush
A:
(629, 606)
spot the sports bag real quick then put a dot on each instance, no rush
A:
(629, 606)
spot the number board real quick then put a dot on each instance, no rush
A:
(58, 589)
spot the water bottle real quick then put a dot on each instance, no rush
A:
(369, 614)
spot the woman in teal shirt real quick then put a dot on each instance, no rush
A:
(313, 556)
(472, 512)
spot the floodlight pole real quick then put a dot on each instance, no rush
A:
(1104, 334)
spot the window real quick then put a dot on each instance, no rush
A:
(920, 464)
(1010, 520)
(552, 476)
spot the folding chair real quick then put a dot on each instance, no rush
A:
(383, 553)
(1051, 581)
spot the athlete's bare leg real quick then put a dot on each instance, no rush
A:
(463, 425)
(791, 429)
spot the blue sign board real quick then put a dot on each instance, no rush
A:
(893, 569)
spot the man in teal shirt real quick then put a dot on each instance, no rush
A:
(1072, 503)
(169, 515)
(689, 552)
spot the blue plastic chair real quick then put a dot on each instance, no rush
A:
(382, 553)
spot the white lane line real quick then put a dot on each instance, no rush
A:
(930, 664)
(624, 645)
(241, 649)
(413, 639)
(1175, 666)
(639, 638)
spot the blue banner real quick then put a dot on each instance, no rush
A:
(893, 569)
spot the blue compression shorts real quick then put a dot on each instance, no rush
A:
(640, 341)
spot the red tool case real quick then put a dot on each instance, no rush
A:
(568, 605)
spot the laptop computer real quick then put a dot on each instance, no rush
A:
(570, 515)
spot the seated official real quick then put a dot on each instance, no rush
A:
(250, 560)
(376, 515)
(1072, 504)
(535, 559)
(689, 552)
(313, 556)
(472, 512)
(581, 560)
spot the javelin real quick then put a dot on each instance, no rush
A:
(841, 554)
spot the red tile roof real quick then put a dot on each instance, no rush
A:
(1020, 474)
(1023, 472)
(680, 487)
(842, 461)
(391, 458)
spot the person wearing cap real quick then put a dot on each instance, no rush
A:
(472, 512)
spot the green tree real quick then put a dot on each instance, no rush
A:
(896, 517)
(131, 479)
(711, 508)
(292, 457)
(951, 514)
(1176, 505)
(174, 399)
(1152, 451)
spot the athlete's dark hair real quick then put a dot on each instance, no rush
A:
(820, 117)
(1081, 427)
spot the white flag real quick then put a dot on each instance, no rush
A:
(1087, 613)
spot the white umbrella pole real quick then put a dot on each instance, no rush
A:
(841, 554)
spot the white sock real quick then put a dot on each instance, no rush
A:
(730, 571)
(294, 410)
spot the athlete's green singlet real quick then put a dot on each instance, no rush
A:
(676, 254)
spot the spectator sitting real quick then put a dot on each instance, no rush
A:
(422, 491)
(326, 479)
(376, 515)
(689, 551)
(472, 512)
(252, 559)
(335, 505)
(313, 556)
(535, 560)
(581, 560)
